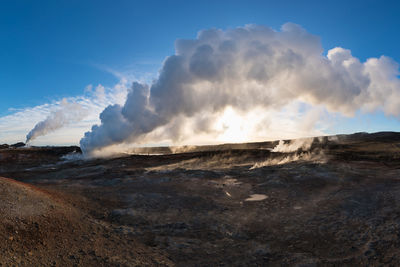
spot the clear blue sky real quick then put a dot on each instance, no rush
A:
(50, 49)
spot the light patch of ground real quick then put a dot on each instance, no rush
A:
(256, 197)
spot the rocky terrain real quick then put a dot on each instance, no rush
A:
(334, 202)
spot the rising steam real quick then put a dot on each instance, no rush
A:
(67, 114)
(245, 69)
(293, 145)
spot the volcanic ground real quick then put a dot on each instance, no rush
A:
(336, 203)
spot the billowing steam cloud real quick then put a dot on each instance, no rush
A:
(244, 69)
(67, 114)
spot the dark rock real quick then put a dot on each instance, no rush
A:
(17, 145)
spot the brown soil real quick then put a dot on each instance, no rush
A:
(337, 204)
(41, 229)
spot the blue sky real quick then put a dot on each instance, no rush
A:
(54, 49)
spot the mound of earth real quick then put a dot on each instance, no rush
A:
(38, 228)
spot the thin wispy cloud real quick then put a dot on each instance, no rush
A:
(67, 124)
(132, 72)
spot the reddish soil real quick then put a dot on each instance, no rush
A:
(39, 228)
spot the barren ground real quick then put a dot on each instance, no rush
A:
(336, 205)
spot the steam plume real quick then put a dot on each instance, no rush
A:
(68, 113)
(246, 68)
(293, 145)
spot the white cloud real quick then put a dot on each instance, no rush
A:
(242, 78)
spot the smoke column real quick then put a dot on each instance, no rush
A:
(244, 69)
(67, 114)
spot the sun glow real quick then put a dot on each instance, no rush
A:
(235, 126)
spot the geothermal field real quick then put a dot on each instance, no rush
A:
(327, 201)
